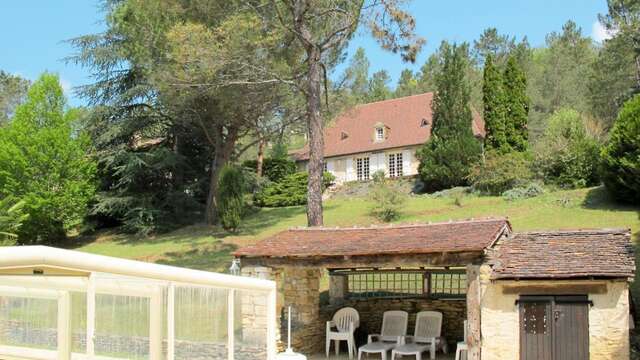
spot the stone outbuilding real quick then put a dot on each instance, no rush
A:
(536, 295)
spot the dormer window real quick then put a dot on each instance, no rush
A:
(379, 133)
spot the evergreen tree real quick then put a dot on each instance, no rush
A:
(378, 86)
(493, 97)
(357, 75)
(445, 160)
(407, 84)
(516, 105)
(621, 154)
(231, 195)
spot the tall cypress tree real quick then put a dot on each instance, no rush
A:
(446, 159)
(517, 105)
(493, 97)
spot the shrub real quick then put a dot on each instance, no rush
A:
(273, 169)
(231, 197)
(621, 155)
(523, 192)
(567, 155)
(11, 218)
(387, 199)
(501, 172)
(290, 191)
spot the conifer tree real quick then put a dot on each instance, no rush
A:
(516, 105)
(445, 160)
(495, 119)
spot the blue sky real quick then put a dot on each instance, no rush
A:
(32, 32)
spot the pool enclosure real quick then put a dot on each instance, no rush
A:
(62, 304)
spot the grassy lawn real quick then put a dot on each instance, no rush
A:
(210, 248)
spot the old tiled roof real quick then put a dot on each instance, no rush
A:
(352, 132)
(459, 236)
(565, 254)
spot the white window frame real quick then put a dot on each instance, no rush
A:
(379, 133)
(362, 168)
(395, 164)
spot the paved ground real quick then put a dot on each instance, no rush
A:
(332, 356)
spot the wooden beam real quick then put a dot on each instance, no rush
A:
(370, 261)
(559, 288)
(473, 312)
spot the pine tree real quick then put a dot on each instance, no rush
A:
(493, 96)
(445, 160)
(516, 105)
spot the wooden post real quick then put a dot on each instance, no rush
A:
(473, 312)
(65, 335)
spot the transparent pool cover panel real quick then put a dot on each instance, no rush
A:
(28, 322)
(250, 340)
(122, 326)
(201, 323)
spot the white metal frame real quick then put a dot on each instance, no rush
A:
(58, 288)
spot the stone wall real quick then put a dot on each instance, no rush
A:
(608, 319)
(454, 312)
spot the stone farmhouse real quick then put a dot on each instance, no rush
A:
(383, 135)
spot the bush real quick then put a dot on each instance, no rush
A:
(621, 155)
(567, 155)
(501, 172)
(11, 218)
(387, 199)
(231, 197)
(290, 191)
(524, 192)
(273, 169)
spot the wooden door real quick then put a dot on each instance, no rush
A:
(554, 328)
(571, 328)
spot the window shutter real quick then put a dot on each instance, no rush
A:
(330, 166)
(406, 162)
(350, 170)
(382, 163)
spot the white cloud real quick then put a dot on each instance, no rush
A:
(599, 33)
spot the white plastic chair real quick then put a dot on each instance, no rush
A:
(345, 321)
(394, 329)
(427, 336)
(462, 345)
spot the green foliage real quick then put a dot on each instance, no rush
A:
(516, 103)
(291, 190)
(621, 154)
(11, 218)
(567, 155)
(445, 161)
(501, 172)
(274, 169)
(387, 199)
(379, 86)
(13, 90)
(231, 197)
(529, 190)
(357, 76)
(280, 150)
(495, 111)
(407, 84)
(44, 162)
(492, 44)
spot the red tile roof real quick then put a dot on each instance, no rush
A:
(458, 236)
(565, 254)
(403, 118)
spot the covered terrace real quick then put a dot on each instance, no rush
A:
(433, 266)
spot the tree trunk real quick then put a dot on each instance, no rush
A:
(316, 140)
(260, 161)
(223, 149)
